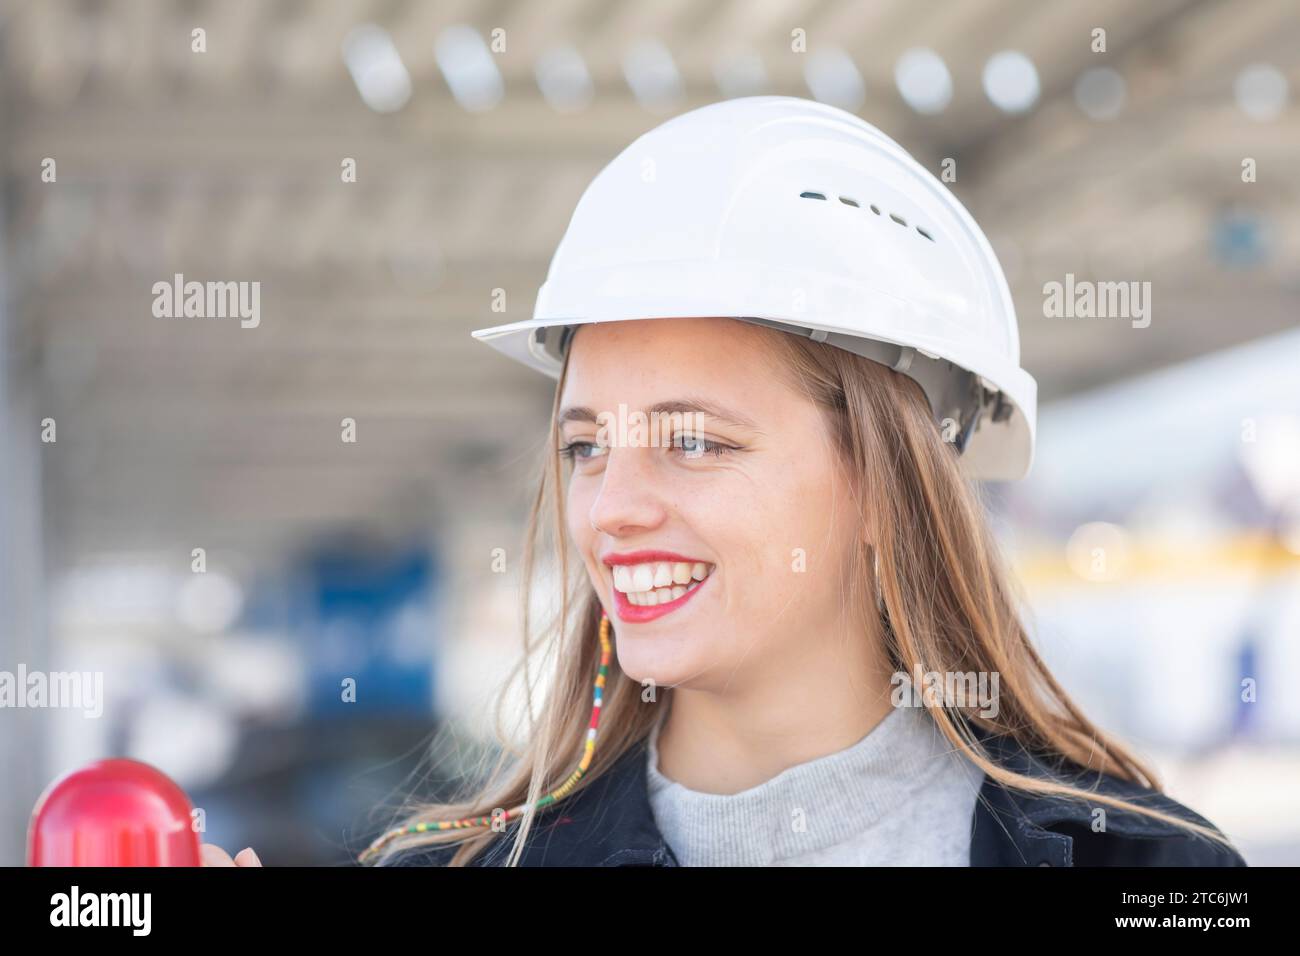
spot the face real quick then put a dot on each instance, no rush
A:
(725, 521)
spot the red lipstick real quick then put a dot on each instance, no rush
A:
(639, 614)
(645, 557)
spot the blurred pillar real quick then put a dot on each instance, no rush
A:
(22, 572)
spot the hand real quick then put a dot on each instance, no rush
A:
(213, 855)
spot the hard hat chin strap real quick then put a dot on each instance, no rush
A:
(964, 436)
(986, 399)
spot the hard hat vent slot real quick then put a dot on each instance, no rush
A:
(849, 201)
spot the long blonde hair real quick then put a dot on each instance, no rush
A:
(947, 608)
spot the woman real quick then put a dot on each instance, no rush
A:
(783, 350)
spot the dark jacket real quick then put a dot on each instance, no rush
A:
(610, 823)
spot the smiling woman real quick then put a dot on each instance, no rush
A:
(747, 590)
(743, 514)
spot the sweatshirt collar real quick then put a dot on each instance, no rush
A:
(845, 793)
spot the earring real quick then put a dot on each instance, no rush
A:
(875, 565)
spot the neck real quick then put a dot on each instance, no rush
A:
(826, 698)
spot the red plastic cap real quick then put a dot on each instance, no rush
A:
(113, 812)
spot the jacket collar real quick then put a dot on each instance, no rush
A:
(1015, 828)
(607, 823)
(610, 822)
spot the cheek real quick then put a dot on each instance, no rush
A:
(788, 535)
(577, 511)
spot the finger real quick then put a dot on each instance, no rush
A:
(212, 855)
(246, 857)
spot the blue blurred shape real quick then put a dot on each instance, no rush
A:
(369, 622)
(1238, 239)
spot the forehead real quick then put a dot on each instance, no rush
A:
(647, 355)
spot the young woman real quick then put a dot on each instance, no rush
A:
(783, 351)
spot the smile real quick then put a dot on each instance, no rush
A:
(648, 585)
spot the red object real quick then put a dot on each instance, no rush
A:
(113, 812)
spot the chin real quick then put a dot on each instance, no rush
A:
(692, 670)
(647, 664)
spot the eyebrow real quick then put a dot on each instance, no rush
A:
(581, 413)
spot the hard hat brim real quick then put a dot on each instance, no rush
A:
(997, 451)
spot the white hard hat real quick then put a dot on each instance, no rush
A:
(794, 214)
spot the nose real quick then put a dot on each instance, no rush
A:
(630, 499)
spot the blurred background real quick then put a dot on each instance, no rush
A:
(183, 513)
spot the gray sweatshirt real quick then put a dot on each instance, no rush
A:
(898, 797)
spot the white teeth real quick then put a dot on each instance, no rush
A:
(622, 578)
(643, 577)
(656, 582)
(659, 595)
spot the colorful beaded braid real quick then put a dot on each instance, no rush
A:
(559, 793)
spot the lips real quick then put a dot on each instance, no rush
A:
(650, 584)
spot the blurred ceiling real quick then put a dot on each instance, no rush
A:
(225, 165)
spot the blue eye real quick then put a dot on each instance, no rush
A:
(693, 446)
(571, 450)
